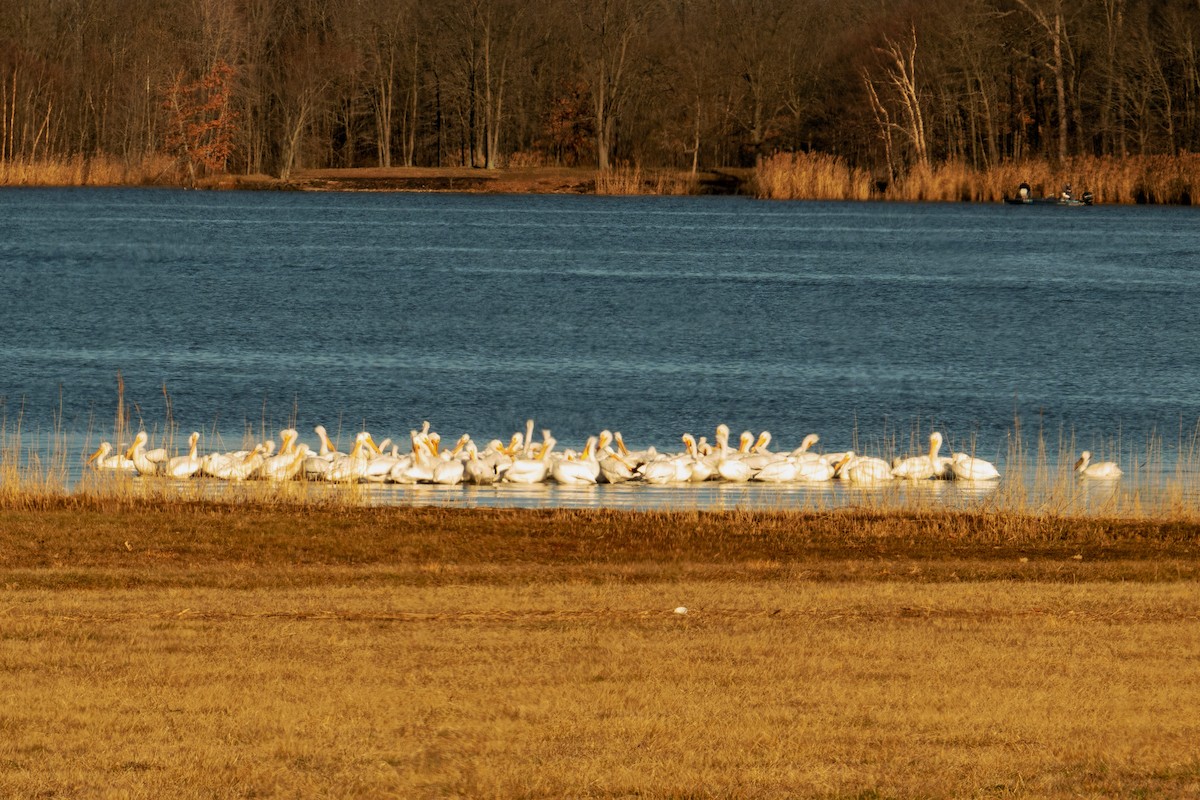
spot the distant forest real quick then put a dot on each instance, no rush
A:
(271, 86)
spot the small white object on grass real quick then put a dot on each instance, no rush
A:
(681, 610)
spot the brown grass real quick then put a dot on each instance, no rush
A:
(209, 650)
(633, 180)
(100, 170)
(810, 176)
(1135, 179)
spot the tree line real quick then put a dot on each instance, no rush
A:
(272, 86)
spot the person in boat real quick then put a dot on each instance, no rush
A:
(1066, 194)
(1023, 191)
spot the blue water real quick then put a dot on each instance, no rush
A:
(869, 324)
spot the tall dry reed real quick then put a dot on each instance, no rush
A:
(810, 176)
(1134, 179)
(100, 170)
(633, 180)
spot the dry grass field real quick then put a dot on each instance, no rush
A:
(152, 649)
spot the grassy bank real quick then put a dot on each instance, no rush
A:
(205, 650)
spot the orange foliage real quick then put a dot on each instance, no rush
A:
(201, 124)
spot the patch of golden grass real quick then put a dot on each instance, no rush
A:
(99, 170)
(810, 176)
(788, 688)
(1133, 179)
(633, 180)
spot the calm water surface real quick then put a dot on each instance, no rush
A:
(866, 323)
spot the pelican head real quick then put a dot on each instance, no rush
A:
(100, 454)
(434, 439)
(605, 439)
(515, 444)
(138, 441)
(620, 440)
(589, 447)
(808, 442)
(1084, 458)
(744, 442)
(761, 443)
(689, 442)
(935, 444)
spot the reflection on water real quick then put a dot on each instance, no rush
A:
(710, 496)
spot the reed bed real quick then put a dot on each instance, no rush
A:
(1134, 179)
(98, 170)
(810, 176)
(633, 180)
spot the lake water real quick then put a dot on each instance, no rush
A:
(869, 324)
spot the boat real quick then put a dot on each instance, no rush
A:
(1025, 198)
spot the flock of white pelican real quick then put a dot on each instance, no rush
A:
(523, 460)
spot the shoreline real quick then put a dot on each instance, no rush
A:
(1146, 181)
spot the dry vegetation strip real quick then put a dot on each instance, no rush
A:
(202, 650)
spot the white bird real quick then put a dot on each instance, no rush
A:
(801, 453)
(919, 468)
(351, 467)
(968, 468)
(863, 469)
(782, 471)
(1101, 470)
(185, 466)
(478, 471)
(288, 462)
(759, 456)
(102, 460)
(815, 470)
(531, 470)
(578, 472)
(701, 467)
(729, 466)
(137, 454)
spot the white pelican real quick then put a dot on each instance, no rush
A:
(801, 453)
(815, 470)
(729, 467)
(235, 467)
(759, 456)
(530, 470)
(634, 457)
(702, 466)
(1102, 470)
(185, 466)
(919, 468)
(581, 472)
(613, 467)
(781, 471)
(478, 471)
(449, 472)
(327, 451)
(416, 467)
(863, 469)
(137, 454)
(353, 466)
(969, 468)
(666, 469)
(102, 460)
(289, 461)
